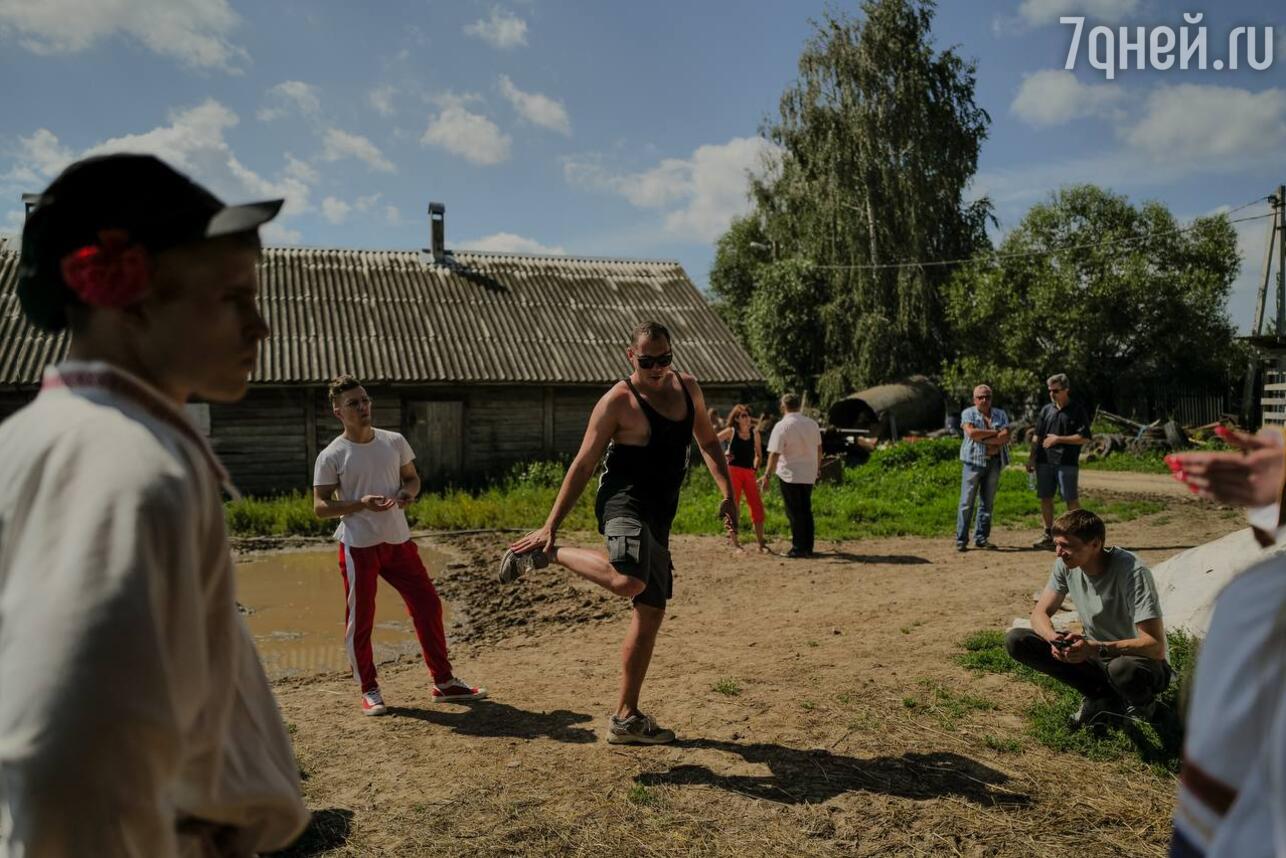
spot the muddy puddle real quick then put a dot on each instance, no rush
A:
(295, 605)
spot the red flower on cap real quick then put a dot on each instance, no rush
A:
(111, 273)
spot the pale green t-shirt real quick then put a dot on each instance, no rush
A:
(1112, 604)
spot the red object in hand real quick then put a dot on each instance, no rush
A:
(112, 273)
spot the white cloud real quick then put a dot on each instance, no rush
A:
(335, 210)
(712, 185)
(536, 108)
(393, 216)
(37, 158)
(193, 142)
(1054, 97)
(1040, 12)
(301, 170)
(340, 144)
(381, 100)
(470, 135)
(194, 32)
(508, 242)
(291, 94)
(273, 233)
(1192, 124)
(366, 203)
(502, 29)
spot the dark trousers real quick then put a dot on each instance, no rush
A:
(1135, 679)
(798, 498)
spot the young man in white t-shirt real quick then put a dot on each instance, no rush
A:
(372, 473)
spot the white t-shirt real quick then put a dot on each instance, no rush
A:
(795, 439)
(373, 468)
(132, 693)
(1238, 690)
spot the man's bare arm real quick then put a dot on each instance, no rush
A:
(1046, 606)
(1149, 642)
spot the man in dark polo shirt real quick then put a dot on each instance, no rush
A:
(1062, 427)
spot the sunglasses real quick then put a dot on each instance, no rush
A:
(1053, 390)
(983, 396)
(648, 361)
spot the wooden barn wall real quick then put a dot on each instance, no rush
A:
(261, 440)
(269, 441)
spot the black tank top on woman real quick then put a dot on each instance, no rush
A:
(741, 451)
(643, 481)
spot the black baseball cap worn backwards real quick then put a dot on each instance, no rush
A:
(135, 198)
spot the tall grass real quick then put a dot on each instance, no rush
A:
(909, 489)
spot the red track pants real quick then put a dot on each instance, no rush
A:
(743, 480)
(400, 565)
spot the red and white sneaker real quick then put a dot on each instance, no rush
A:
(456, 691)
(373, 703)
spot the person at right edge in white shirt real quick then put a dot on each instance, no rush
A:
(135, 718)
(1232, 785)
(795, 456)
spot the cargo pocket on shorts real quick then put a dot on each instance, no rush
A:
(624, 540)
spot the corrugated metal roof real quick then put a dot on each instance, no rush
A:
(396, 316)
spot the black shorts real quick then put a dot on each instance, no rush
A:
(633, 551)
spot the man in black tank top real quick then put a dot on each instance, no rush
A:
(642, 430)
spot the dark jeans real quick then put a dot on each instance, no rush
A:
(798, 498)
(1135, 679)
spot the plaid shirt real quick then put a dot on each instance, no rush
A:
(975, 452)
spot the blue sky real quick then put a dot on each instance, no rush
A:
(590, 128)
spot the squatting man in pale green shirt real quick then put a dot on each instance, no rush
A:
(1118, 662)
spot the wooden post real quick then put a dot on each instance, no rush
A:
(1280, 225)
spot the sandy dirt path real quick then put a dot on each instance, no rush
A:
(816, 753)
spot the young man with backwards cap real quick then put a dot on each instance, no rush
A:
(135, 717)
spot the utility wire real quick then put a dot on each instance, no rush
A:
(994, 255)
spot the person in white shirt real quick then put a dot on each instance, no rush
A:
(135, 718)
(372, 472)
(795, 456)
(1232, 787)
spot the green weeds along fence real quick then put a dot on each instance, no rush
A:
(906, 490)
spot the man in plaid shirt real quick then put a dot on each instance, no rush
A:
(984, 453)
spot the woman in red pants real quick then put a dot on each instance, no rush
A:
(745, 453)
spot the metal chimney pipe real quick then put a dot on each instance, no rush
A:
(437, 232)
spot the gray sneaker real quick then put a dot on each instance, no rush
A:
(638, 729)
(1046, 542)
(513, 566)
(1091, 711)
(1141, 711)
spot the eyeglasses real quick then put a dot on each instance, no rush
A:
(648, 361)
(355, 403)
(983, 396)
(1054, 390)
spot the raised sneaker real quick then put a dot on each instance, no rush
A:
(637, 729)
(1046, 542)
(985, 545)
(456, 691)
(962, 546)
(1091, 711)
(373, 703)
(513, 565)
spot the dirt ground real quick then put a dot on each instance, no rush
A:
(816, 753)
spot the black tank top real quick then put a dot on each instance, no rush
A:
(741, 451)
(644, 481)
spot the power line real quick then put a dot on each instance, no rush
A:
(995, 255)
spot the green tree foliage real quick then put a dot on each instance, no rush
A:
(1119, 297)
(877, 141)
